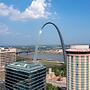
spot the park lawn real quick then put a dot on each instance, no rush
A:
(50, 63)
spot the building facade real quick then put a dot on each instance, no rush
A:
(78, 67)
(25, 76)
(7, 55)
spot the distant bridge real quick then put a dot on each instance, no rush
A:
(23, 51)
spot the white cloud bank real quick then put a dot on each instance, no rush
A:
(37, 9)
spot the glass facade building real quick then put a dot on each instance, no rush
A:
(78, 69)
(25, 76)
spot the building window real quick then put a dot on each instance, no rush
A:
(87, 60)
(77, 58)
(82, 68)
(72, 70)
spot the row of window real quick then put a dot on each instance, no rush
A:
(70, 70)
(77, 57)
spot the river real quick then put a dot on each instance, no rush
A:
(48, 56)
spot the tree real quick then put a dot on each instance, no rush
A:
(51, 87)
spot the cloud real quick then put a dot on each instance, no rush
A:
(6, 11)
(37, 9)
(4, 29)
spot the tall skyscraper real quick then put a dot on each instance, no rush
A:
(7, 55)
(78, 67)
(25, 76)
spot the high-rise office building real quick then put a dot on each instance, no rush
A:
(78, 67)
(7, 55)
(25, 76)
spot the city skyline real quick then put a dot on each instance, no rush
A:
(20, 22)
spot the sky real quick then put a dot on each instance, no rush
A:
(21, 21)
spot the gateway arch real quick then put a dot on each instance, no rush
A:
(60, 37)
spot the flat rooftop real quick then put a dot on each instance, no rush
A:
(5, 50)
(78, 48)
(25, 66)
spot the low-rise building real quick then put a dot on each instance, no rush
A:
(57, 81)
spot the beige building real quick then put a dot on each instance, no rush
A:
(7, 55)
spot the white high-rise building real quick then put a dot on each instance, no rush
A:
(78, 67)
